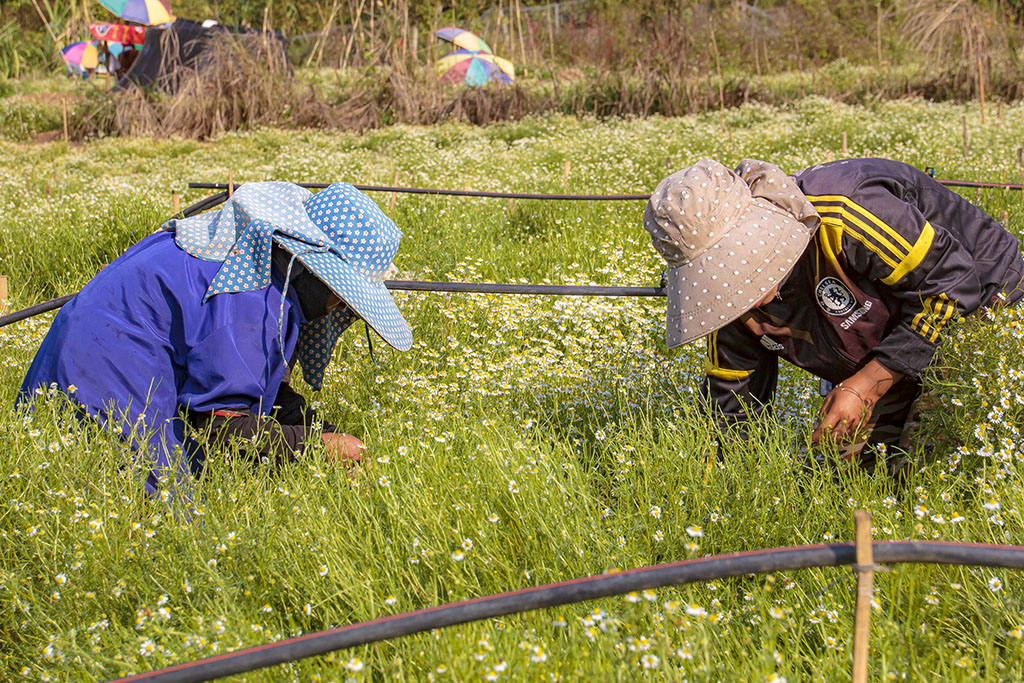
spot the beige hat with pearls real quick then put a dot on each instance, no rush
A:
(728, 237)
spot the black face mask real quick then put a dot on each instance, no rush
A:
(311, 292)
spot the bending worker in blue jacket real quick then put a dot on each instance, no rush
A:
(196, 327)
(849, 270)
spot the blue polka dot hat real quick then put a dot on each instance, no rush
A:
(339, 234)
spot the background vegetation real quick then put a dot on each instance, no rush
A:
(362, 64)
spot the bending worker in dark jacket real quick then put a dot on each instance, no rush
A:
(849, 270)
(196, 327)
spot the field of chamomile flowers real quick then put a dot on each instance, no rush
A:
(523, 440)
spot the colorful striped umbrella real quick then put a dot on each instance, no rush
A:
(118, 33)
(146, 12)
(82, 54)
(474, 68)
(464, 39)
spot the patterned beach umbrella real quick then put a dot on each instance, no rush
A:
(464, 39)
(82, 54)
(146, 12)
(474, 68)
(118, 33)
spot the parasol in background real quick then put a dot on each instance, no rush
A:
(474, 68)
(118, 33)
(473, 63)
(83, 55)
(464, 39)
(145, 12)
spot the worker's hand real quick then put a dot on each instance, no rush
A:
(344, 449)
(842, 414)
(848, 406)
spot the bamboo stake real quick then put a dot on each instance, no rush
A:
(551, 33)
(566, 167)
(3, 295)
(405, 26)
(318, 46)
(519, 23)
(64, 116)
(46, 24)
(231, 183)
(352, 35)
(878, 31)
(433, 32)
(718, 69)
(981, 90)
(846, 150)
(865, 591)
(501, 18)
(175, 203)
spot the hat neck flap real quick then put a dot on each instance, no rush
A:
(241, 235)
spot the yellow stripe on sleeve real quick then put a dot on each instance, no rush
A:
(918, 324)
(839, 226)
(933, 316)
(950, 306)
(914, 256)
(910, 256)
(882, 225)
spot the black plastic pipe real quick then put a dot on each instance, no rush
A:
(486, 288)
(37, 309)
(562, 197)
(580, 590)
(979, 184)
(505, 288)
(450, 193)
(419, 286)
(34, 310)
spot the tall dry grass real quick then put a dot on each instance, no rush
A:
(970, 44)
(244, 81)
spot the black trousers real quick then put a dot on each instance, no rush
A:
(275, 438)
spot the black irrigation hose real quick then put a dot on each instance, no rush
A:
(979, 184)
(418, 286)
(35, 310)
(561, 290)
(52, 304)
(454, 193)
(405, 285)
(504, 288)
(580, 590)
(568, 197)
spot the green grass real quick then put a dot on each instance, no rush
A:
(521, 441)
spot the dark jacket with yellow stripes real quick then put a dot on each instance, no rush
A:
(897, 255)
